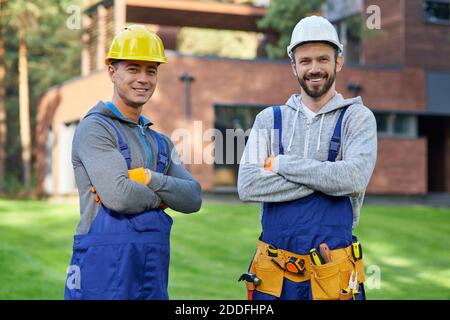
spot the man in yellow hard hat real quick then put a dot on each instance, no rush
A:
(126, 175)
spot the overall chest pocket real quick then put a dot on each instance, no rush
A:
(150, 221)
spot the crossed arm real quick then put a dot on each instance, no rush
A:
(258, 184)
(98, 152)
(290, 177)
(348, 176)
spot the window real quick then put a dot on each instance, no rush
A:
(382, 123)
(350, 34)
(396, 125)
(232, 123)
(437, 11)
(48, 180)
(66, 177)
(405, 125)
(347, 18)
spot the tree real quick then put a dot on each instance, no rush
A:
(281, 17)
(3, 127)
(24, 15)
(46, 52)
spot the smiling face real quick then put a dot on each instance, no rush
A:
(315, 66)
(134, 81)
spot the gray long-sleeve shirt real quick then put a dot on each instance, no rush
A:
(304, 168)
(97, 162)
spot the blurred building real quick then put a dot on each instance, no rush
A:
(401, 70)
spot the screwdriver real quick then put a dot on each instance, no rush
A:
(325, 252)
(315, 257)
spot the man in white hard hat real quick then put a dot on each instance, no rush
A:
(309, 162)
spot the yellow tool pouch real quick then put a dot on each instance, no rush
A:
(270, 269)
(327, 280)
(270, 274)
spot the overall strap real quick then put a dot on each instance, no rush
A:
(335, 142)
(278, 128)
(124, 150)
(162, 157)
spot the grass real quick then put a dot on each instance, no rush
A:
(211, 248)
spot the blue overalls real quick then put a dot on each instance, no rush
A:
(123, 256)
(302, 224)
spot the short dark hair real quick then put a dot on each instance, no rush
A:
(114, 63)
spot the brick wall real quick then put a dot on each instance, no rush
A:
(405, 38)
(427, 44)
(401, 167)
(401, 89)
(216, 81)
(387, 45)
(227, 81)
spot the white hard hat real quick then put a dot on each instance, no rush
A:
(312, 29)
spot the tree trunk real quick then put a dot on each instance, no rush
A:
(24, 110)
(3, 127)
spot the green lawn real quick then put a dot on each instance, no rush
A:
(211, 248)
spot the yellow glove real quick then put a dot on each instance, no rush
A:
(140, 175)
(97, 198)
(268, 163)
(163, 205)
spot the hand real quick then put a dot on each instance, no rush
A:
(163, 206)
(140, 175)
(268, 163)
(97, 198)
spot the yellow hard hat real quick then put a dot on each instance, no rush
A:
(136, 42)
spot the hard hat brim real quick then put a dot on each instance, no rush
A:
(293, 46)
(160, 60)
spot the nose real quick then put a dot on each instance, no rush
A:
(142, 77)
(315, 67)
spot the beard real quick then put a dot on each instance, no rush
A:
(318, 92)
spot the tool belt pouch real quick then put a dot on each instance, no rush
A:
(269, 273)
(328, 280)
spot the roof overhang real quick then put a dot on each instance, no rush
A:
(198, 14)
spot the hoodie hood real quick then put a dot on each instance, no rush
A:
(336, 102)
(108, 109)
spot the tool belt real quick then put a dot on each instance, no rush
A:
(327, 280)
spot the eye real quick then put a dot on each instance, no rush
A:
(151, 72)
(324, 59)
(132, 69)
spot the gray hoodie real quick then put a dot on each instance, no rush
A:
(98, 162)
(304, 168)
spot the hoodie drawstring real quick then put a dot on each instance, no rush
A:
(293, 129)
(320, 132)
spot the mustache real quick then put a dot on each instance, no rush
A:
(315, 75)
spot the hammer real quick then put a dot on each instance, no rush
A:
(252, 280)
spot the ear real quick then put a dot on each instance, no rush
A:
(294, 69)
(339, 63)
(112, 73)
